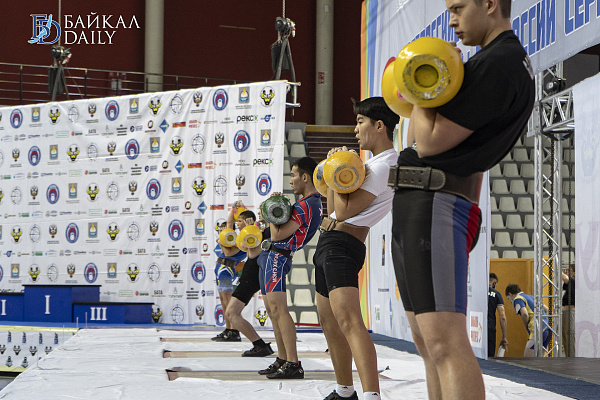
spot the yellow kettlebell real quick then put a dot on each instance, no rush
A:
(238, 211)
(318, 180)
(250, 235)
(428, 72)
(344, 171)
(227, 237)
(390, 93)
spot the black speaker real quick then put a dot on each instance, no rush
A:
(55, 79)
(275, 54)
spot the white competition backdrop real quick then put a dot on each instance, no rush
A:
(586, 97)
(125, 192)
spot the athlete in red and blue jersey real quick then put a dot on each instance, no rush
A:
(276, 262)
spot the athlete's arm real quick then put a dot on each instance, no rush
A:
(503, 324)
(351, 204)
(253, 252)
(280, 232)
(524, 317)
(231, 217)
(434, 133)
(229, 251)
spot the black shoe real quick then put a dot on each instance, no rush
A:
(334, 396)
(289, 370)
(230, 336)
(220, 335)
(259, 351)
(273, 367)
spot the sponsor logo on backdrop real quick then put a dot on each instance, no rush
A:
(73, 113)
(16, 196)
(220, 185)
(113, 231)
(263, 184)
(52, 194)
(34, 155)
(112, 191)
(72, 232)
(133, 231)
(35, 234)
(16, 118)
(92, 151)
(153, 189)
(219, 315)
(176, 145)
(198, 271)
(265, 137)
(266, 96)
(241, 141)
(220, 99)
(112, 110)
(154, 272)
(132, 272)
(176, 104)
(132, 149)
(16, 233)
(197, 98)
(93, 191)
(176, 230)
(198, 144)
(90, 273)
(154, 105)
(73, 152)
(244, 95)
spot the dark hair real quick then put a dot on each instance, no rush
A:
(513, 288)
(305, 165)
(248, 214)
(493, 276)
(376, 109)
(504, 6)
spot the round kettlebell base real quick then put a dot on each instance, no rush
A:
(426, 77)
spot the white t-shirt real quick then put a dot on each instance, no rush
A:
(376, 179)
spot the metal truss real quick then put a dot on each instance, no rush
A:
(552, 121)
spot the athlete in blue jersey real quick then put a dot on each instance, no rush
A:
(247, 287)
(227, 259)
(524, 306)
(276, 261)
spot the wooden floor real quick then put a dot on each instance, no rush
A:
(579, 368)
(236, 354)
(230, 375)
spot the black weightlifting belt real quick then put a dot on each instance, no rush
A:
(267, 245)
(427, 178)
(227, 261)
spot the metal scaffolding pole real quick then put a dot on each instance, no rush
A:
(552, 121)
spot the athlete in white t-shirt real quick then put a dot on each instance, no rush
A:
(341, 252)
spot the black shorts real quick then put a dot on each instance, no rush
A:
(338, 259)
(248, 281)
(432, 235)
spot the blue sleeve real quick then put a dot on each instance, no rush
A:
(519, 303)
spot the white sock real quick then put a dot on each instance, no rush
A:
(371, 396)
(344, 391)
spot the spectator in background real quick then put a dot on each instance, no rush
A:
(568, 311)
(495, 302)
(524, 306)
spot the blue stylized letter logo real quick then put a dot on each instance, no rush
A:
(42, 26)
